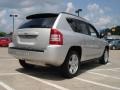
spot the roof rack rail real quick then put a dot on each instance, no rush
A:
(72, 14)
(69, 13)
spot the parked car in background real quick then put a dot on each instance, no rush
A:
(109, 40)
(63, 40)
(4, 41)
(112, 38)
(115, 44)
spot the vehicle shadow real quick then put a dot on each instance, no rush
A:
(50, 73)
(54, 73)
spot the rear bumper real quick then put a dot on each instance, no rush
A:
(52, 55)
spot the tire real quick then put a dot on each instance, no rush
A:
(71, 65)
(105, 57)
(25, 65)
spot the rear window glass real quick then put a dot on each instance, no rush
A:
(39, 23)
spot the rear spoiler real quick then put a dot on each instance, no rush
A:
(42, 15)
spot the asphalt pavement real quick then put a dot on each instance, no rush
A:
(93, 76)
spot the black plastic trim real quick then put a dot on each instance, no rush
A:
(26, 49)
(42, 15)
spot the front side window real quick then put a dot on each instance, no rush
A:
(92, 31)
(82, 27)
(119, 42)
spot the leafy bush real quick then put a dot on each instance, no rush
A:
(2, 34)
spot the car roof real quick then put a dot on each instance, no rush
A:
(77, 17)
(33, 16)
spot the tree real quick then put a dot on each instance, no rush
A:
(2, 34)
(115, 30)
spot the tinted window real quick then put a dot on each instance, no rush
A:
(39, 23)
(118, 42)
(73, 24)
(82, 27)
(78, 26)
(92, 31)
(112, 42)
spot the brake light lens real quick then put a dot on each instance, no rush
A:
(56, 37)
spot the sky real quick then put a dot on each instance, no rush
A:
(101, 13)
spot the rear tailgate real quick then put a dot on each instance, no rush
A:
(36, 39)
(35, 33)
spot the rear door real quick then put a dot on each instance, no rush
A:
(97, 45)
(92, 44)
(86, 48)
(85, 40)
(34, 34)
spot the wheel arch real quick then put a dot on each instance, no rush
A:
(65, 66)
(75, 48)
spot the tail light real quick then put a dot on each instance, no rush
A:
(56, 37)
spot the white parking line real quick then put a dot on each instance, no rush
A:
(104, 75)
(117, 68)
(6, 59)
(114, 69)
(38, 79)
(109, 63)
(98, 84)
(48, 83)
(7, 74)
(6, 86)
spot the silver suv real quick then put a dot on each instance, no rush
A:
(63, 40)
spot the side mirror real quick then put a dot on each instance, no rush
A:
(101, 35)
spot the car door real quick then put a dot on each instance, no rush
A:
(82, 35)
(87, 48)
(96, 44)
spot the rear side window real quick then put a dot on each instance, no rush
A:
(78, 26)
(39, 23)
(73, 24)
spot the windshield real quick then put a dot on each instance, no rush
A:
(109, 40)
(114, 42)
